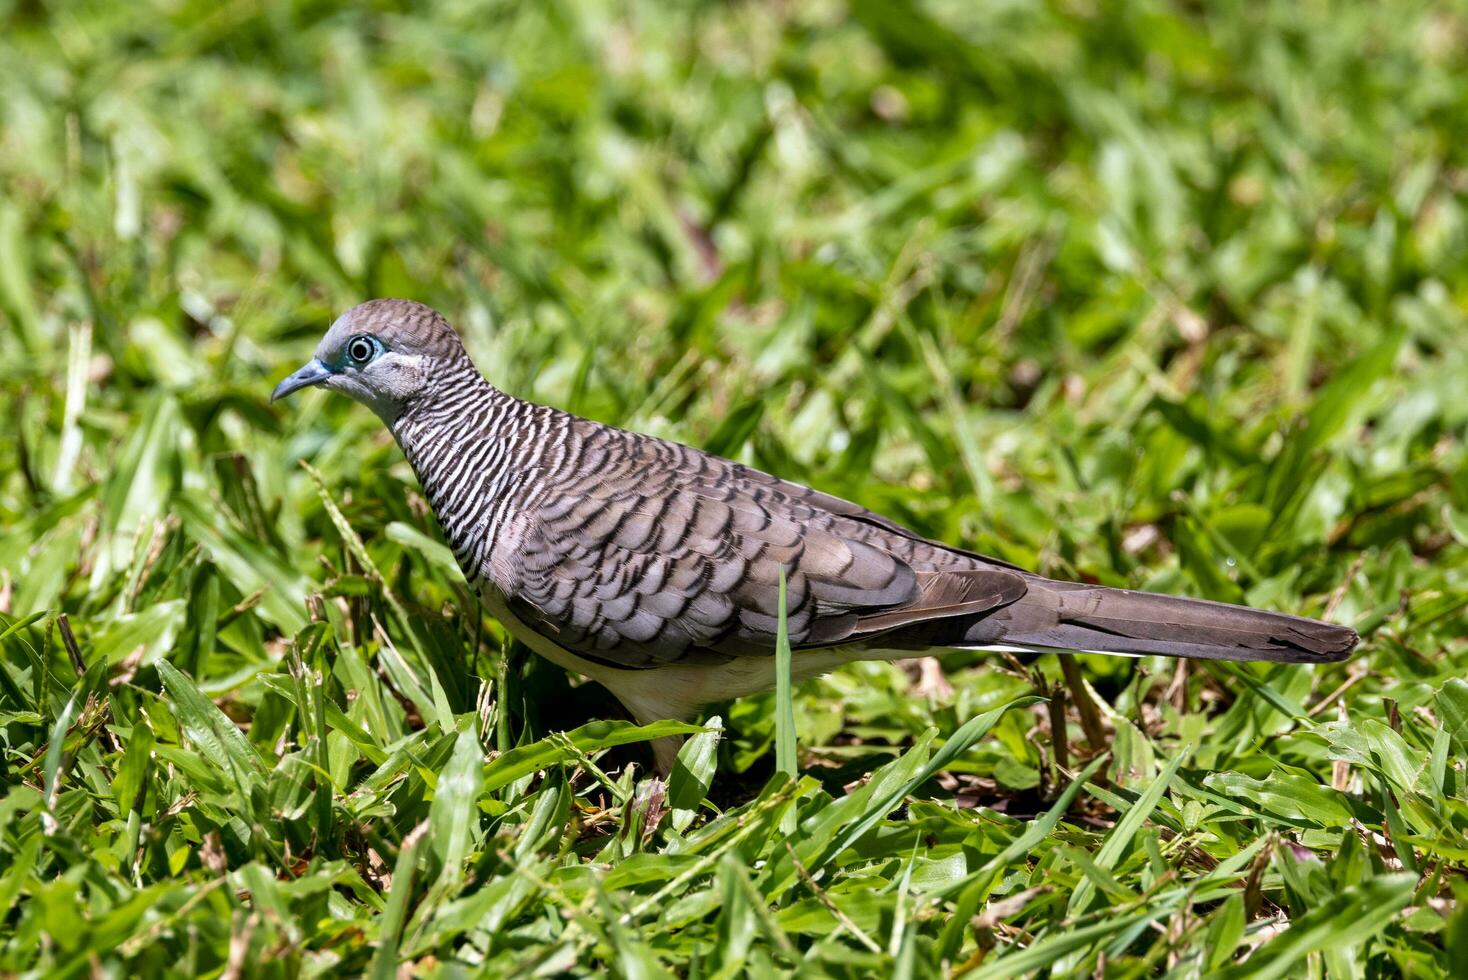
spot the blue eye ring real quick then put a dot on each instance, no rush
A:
(362, 348)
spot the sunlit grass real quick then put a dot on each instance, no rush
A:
(1150, 295)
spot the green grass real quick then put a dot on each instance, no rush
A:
(1161, 295)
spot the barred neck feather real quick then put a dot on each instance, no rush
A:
(469, 443)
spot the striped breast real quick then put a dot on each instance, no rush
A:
(473, 448)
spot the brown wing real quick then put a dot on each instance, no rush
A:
(676, 558)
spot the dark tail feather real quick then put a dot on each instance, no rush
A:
(1067, 616)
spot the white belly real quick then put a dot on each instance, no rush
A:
(678, 690)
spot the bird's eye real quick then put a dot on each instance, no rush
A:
(361, 349)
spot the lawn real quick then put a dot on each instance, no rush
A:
(1154, 294)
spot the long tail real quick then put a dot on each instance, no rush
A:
(1070, 616)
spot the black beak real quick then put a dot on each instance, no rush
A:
(313, 373)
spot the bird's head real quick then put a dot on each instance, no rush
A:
(384, 353)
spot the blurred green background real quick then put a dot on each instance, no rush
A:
(1167, 295)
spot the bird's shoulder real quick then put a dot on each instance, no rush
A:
(625, 464)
